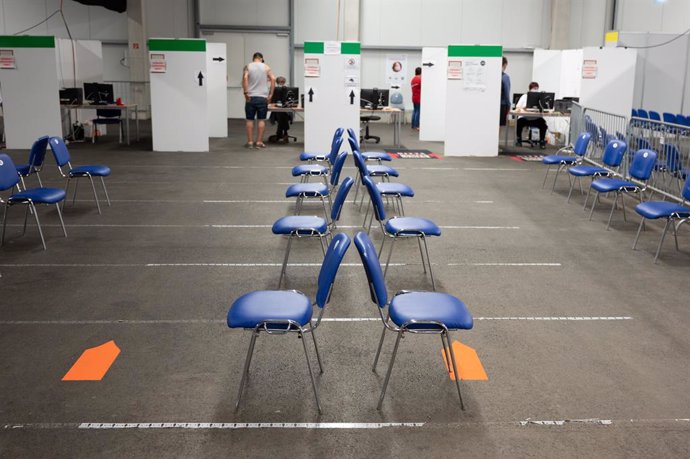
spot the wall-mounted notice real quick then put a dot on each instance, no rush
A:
(474, 75)
(7, 60)
(589, 69)
(352, 81)
(312, 68)
(396, 69)
(454, 69)
(351, 64)
(158, 64)
(331, 47)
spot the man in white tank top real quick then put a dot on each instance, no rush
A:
(258, 84)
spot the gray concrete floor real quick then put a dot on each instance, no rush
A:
(139, 274)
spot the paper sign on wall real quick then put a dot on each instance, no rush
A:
(331, 47)
(352, 81)
(474, 74)
(7, 60)
(396, 68)
(454, 70)
(158, 64)
(312, 68)
(351, 63)
(589, 69)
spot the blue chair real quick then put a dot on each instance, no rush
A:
(277, 312)
(301, 226)
(62, 157)
(36, 157)
(640, 169)
(671, 211)
(303, 191)
(578, 151)
(612, 159)
(106, 117)
(633, 113)
(377, 170)
(320, 157)
(402, 227)
(305, 171)
(642, 113)
(377, 156)
(412, 312)
(393, 190)
(669, 118)
(29, 197)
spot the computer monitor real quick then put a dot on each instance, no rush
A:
(540, 100)
(99, 93)
(286, 96)
(72, 96)
(374, 98)
(564, 105)
(516, 98)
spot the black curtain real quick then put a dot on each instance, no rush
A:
(116, 5)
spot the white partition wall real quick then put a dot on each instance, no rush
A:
(473, 82)
(546, 70)
(29, 86)
(179, 113)
(432, 121)
(571, 73)
(217, 72)
(608, 82)
(331, 91)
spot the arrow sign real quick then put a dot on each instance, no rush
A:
(200, 76)
(311, 95)
(352, 97)
(428, 64)
(218, 59)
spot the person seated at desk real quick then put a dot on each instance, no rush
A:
(529, 121)
(281, 118)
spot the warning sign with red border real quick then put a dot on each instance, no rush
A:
(158, 64)
(7, 60)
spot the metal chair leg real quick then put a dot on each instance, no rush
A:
(38, 224)
(587, 198)
(62, 222)
(390, 253)
(390, 370)
(285, 260)
(613, 207)
(4, 224)
(95, 195)
(637, 236)
(316, 346)
(245, 372)
(455, 370)
(105, 190)
(421, 253)
(661, 241)
(560, 168)
(594, 203)
(26, 217)
(311, 373)
(546, 175)
(378, 350)
(76, 187)
(431, 273)
(675, 234)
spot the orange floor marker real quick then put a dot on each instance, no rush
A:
(469, 365)
(93, 363)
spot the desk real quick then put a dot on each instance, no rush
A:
(123, 108)
(394, 113)
(515, 114)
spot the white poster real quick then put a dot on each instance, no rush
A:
(474, 74)
(396, 69)
(454, 69)
(7, 60)
(351, 63)
(312, 68)
(352, 81)
(331, 47)
(158, 64)
(589, 69)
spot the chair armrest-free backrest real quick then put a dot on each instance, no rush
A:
(338, 168)
(686, 189)
(582, 143)
(337, 135)
(372, 266)
(8, 173)
(38, 152)
(672, 157)
(329, 268)
(614, 152)
(643, 164)
(352, 139)
(376, 199)
(108, 113)
(335, 149)
(340, 198)
(654, 115)
(60, 152)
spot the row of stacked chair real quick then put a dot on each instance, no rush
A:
(666, 117)
(609, 179)
(14, 177)
(289, 311)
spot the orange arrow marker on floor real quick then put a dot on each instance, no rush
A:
(469, 365)
(93, 363)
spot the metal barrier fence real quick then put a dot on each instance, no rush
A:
(576, 121)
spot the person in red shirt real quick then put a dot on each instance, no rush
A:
(416, 83)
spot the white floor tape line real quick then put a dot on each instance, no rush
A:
(246, 265)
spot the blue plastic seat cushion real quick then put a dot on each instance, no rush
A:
(661, 209)
(430, 306)
(586, 171)
(251, 309)
(306, 189)
(559, 159)
(381, 170)
(309, 169)
(393, 188)
(610, 184)
(94, 170)
(408, 226)
(39, 195)
(23, 169)
(300, 224)
(307, 156)
(376, 155)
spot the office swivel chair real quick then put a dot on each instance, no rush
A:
(365, 125)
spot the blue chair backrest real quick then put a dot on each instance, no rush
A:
(376, 199)
(38, 152)
(59, 149)
(654, 115)
(335, 148)
(672, 156)
(643, 164)
(336, 135)
(359, 162)
(642, 113)
(352, 140)
(338, 168)
(614, 152)
(670, 118)
(340, 198)
(582, 143)
(8, 173)
(329, 268)
(633, 113)
(372, 266)
(683, 120)
(108, 113)
(686, 189)
(643, 144)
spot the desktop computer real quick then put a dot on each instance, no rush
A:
(99, 93)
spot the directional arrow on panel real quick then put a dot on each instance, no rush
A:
(352, 97)
(218, 59)
(428, 64)
(200, 76)
(311, 94)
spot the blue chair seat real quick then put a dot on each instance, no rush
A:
(393, 188)
(251, 309)
(559, 159)
(300, 224)
(583, 170)
(309, 169)
(430, 306)
(93, 170)
(39, 195)
(412, 226)
(307, 156)
(661, 209)
(607, 185)
(376, 156)
(23, 169)
(306, 189)
(378, 171)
